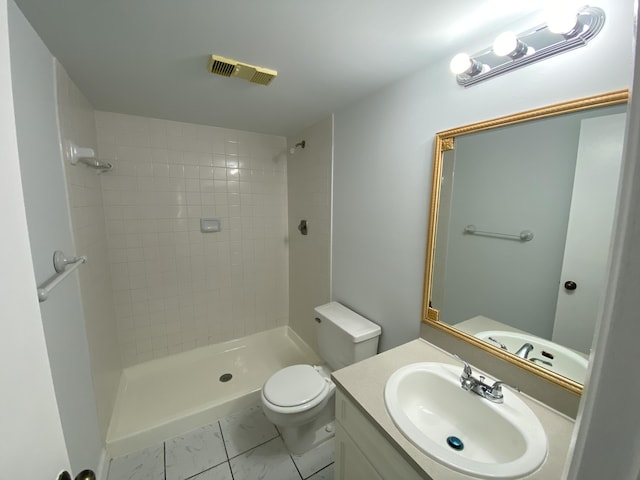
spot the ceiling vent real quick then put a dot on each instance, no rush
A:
(228, 67)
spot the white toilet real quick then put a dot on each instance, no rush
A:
(299, 399)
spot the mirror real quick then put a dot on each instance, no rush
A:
(520, 225)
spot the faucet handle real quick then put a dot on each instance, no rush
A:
(467, 381)
(467, 372)
(494, 392)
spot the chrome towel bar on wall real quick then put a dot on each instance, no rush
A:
(86, 156)
(523, 236)
(60, 262)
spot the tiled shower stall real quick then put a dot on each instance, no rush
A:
(155, 284)
(176, 288)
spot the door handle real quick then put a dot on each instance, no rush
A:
(303, 227)
(570, 285)
(83, 475)
(86, 475)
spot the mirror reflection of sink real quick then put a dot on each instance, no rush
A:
(547, 354)
(428, 405)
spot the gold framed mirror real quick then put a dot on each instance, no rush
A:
(520, 223)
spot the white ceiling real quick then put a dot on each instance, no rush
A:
(149, 57)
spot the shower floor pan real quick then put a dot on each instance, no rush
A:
(169, 396)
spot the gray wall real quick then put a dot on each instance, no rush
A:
(507, 180)
(607, 443)
(502, 187)
(32, 435)
(382, 163)
(32, 71)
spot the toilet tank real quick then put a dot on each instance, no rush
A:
(344, 337)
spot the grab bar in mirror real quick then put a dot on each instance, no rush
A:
(60, 262)
(523, 236)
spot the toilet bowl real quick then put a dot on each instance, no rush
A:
(296, 394)
(299, 399)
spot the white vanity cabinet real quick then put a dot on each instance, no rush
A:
(362, 452)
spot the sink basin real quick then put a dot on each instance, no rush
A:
(564, 361)
(430, 408)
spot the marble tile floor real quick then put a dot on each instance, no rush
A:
(242, 446)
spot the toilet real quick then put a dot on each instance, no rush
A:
(299, 399)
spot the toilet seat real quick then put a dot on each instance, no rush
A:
(296, 388)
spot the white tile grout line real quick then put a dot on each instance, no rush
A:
(211, 468)
(326, 466)
(249, 449)
(226, 452)
(296, 466)
(228, 460)
(164, 459)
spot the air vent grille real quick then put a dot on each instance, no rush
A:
(222, 66)
(263, 77)
(232, 68)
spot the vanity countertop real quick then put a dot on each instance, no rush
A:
(364, 382)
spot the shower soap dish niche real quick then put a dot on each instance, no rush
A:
(86, 156)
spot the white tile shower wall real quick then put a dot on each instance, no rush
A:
(76, 120)
(176, 288)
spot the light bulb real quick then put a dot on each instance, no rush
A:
(460, 63)
(561, 19)
(505, 44)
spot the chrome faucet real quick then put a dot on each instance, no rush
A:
(524, 351)
(468, 382)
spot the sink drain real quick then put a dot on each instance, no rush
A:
(225, 377)
(455, 443)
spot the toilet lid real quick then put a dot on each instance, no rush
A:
(294, 386)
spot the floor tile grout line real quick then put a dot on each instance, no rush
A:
(249, 449)
(210, 468)
(295, 465)
(228, 457)
(312, 449)
(323, 468)
(226, 452)
(224, 444)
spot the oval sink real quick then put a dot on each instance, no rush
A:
(430, 408)
(562, 360)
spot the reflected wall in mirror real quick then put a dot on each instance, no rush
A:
(520, 226)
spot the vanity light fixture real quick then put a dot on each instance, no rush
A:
(564, 30)
(507, 44)
(463, 64)
(563, 20)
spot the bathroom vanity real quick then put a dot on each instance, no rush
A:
(370, 446)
